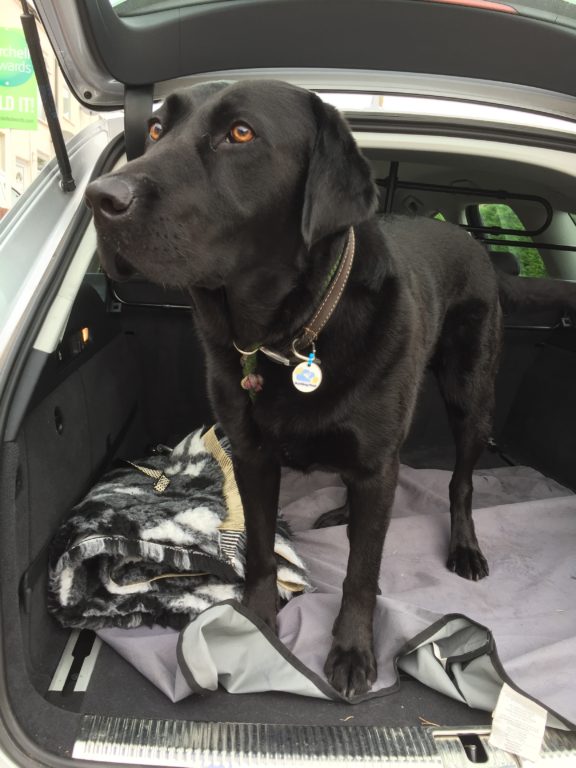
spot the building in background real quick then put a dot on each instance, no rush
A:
(23, 153)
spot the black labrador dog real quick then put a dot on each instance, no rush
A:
(248, 196)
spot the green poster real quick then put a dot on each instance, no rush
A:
(18, 91)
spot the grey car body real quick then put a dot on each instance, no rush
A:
(440, 62)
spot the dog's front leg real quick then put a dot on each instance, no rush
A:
(257, 476)
(258, 480)
(351, 665)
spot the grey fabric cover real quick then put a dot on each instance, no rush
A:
(460, 637)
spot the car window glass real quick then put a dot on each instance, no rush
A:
(25, 144)
(502, 215)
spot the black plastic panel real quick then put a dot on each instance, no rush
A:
(539, 431)
(392, 35)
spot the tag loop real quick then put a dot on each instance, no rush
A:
(300, 356)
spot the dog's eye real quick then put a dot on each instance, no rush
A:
(240, 134)
(155, 130)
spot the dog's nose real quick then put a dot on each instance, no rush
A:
(110, 196)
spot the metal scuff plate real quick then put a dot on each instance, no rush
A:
(183, 743)
(203, 744)
(199, 745)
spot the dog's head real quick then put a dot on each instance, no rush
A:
(229, 173)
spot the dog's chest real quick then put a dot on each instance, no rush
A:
(327, 451)
(303, 448)
(305, 430)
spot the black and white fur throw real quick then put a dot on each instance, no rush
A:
(158, 541)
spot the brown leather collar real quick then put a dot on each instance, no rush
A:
(336, 284)
(331, 297)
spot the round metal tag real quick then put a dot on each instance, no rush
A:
(307, 377)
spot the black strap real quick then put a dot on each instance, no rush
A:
(138, 104)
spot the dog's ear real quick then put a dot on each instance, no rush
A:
(339, 188)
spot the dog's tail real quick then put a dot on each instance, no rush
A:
(535, 293)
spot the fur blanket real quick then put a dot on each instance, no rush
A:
(158, 541)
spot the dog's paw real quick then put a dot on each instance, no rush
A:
(468, 562)
(334, 517)
(264, 603)
(351, 671)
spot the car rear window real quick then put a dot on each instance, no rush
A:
(502, 215)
